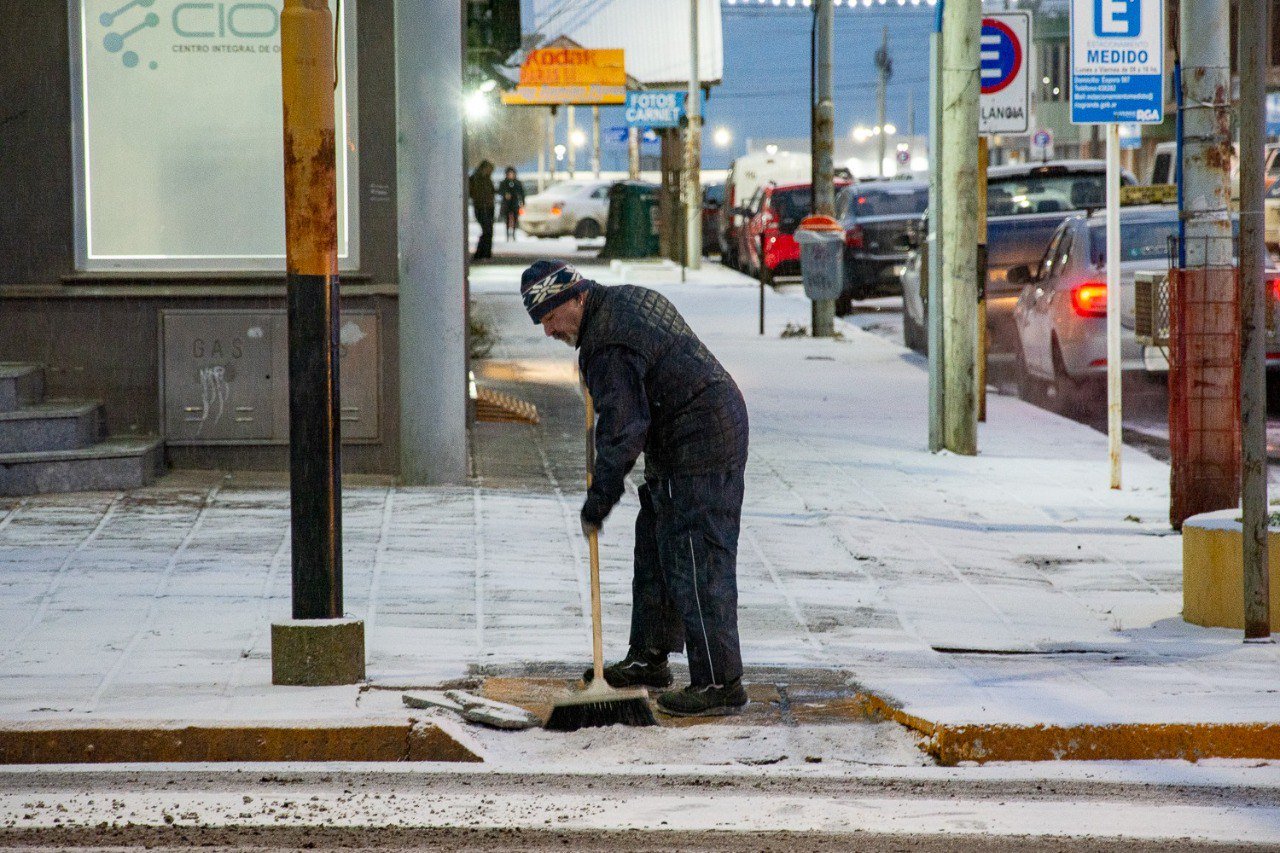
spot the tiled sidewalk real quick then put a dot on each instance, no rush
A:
(1013, 587)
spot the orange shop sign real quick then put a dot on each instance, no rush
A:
(571, 75)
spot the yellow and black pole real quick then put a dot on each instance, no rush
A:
(311, 250)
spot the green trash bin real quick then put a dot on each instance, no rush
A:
(632, 228)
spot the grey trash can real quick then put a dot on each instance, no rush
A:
(821, 242)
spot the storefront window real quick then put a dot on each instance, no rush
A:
(178, 138)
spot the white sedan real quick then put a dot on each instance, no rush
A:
(579, 208)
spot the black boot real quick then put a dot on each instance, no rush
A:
(638, 669)
(704, 700)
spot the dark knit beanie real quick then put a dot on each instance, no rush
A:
(548, 284)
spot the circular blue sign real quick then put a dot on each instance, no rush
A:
(1001, 55)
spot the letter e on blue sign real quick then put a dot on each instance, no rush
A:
(1117, 18)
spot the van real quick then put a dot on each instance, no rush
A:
(1164, 166)
(748, 174)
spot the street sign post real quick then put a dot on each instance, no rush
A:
(1117, 76)
(1005, 57)
(1042, 145)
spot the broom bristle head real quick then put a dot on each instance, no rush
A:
(571, 716)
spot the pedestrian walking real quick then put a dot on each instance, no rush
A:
(511, 195)
(657, 389)
(480, 188)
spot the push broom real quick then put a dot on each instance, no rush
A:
(598, 704)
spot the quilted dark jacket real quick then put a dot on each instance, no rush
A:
(657, 389)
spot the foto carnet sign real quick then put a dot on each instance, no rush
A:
(1004, 106)
(655, 109)
(1117, 61)
(568, 75)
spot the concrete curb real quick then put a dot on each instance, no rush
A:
(951, 744)
(131, 741)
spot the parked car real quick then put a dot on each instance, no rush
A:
(747, 175)
(777, 211)
(1061, 312)
(1026, 203)
(578, 208)
(1164, 165)
(712, 201)
(881, 222)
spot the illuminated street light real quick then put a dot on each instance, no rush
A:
(577, 138)
(771, 149)
(890, 130)
(560, 150)
(477, 106)
(722, 137)
(861, 134)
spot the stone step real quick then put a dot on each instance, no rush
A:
(117, 463)
(20, 385)
(52, 425)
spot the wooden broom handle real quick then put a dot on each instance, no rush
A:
(593, 546)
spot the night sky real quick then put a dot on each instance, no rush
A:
(765, 91)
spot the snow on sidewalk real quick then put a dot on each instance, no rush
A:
(1011, 587)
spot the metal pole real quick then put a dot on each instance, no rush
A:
(932, 269)
(571, 150)
(960, 85)
(633, 153)
(311, 263)
(693, 151)
(1252, 53)
(551, 146)
(981, 282)
(1113, 303)
(595, 142)
(431, 222)
(542, 157)
(882, 62)
(823, 142)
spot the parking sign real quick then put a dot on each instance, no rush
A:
(1117, 61)
(1005, 58)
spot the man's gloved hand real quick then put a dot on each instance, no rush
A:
(592, 516)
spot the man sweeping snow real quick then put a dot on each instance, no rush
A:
(658, 389)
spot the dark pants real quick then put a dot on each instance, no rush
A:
(484, 247)
(511, 216)
(685, 587)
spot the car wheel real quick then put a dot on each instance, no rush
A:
(587, 229)
(914, 335)
(1030, 388)
(1072, 398)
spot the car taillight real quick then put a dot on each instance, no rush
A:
(1273, 285)
(557, 208)
(1090, 300)
(853, 237)
(522, 210)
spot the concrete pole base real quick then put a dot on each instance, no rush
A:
(317, 652)
(824, 317)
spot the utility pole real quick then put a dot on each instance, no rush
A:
(595, 142)
(885, 64)
(693, 151)
(1252, 53)
(932, 267)
(1204, 423)
(331, 650)
(960, 87)
(823, 147)
(571, 150)
(542, 156)
(633, 153)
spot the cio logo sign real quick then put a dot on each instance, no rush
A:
(1117, 18)
(114, 41)
(219, 20)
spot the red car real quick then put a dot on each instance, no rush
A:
(775, 211)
